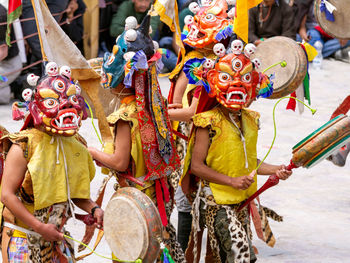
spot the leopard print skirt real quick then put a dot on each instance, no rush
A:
(229, 232)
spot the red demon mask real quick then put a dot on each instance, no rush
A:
(233, 81)
(56, 105)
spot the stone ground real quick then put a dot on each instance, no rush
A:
(315, 202)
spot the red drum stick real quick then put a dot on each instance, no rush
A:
(271, 181)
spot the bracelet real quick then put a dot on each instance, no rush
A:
(262, 39)
(93, 210)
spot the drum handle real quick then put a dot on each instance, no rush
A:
(271, 181)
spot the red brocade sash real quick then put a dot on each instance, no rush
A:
(156, 136)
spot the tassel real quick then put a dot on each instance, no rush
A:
(292, 103)
(328, 9)
(306, 83)
(166, 258)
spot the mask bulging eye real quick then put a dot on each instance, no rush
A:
(59, 85)
(247, 77)
(237, 64)
(73, 99)
(210, 17)
(224, 77)
(50, 103)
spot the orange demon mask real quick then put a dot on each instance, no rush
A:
(211, 24)
(233, 79)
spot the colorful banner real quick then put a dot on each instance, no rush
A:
(14, 12)
(241, 22)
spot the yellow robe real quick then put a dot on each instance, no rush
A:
(226, 153)
(45, 181)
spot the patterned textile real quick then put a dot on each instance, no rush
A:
(160, 119)
(18, 250)
(156, 165)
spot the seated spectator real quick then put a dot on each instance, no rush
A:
(10, 60)
(271, 18)
(137, 9)
(311, 32)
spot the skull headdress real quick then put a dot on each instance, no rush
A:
(55, 105)
(133, 45)
(233, 80)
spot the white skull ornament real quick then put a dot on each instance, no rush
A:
(219, 50)
(237, 47)
(249, 50)
(130, 23)
(231, 13)
(208, 63)
(156, 45)
(231, 2)
(65, 71)
(51, 69)
(27, 95)
(32, 79)
(128, 55)
(205, 2)
(77, 88)
(194, 7)
(130, 35)
(188, 19)
(257, 63)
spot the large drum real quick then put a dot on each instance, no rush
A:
(340, 27)
(276, 49)
(322, 142)
(107, 99)
(312, 149)
(132, 226)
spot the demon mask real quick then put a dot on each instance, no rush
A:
(56, 104)
(234, 81)
(127, 44)
(209, 25)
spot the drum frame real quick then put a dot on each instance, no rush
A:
(299, 72)
(151, 218)
(322, 142)
(329, 26)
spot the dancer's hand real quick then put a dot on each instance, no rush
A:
(49, 232)
(243, 182)
(175, 106)
(283, 173)
(98, 215)
(93, 151)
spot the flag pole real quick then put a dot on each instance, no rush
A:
(39, 33)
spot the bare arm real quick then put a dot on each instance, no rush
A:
(15, 169)
(3, 51)
(183, 114)
(269, 169)
(303, 31)
(200, 169)
(180, 87)
(120, 159)
(87, 205)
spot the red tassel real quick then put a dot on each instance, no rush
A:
(160, 203)
(292, 104)
(343, 108)
(165, 190)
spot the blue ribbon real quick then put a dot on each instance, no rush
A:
(329, 15)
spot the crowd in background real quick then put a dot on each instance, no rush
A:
(293, 18)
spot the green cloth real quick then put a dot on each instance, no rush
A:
(186, 11)
(125, 10)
